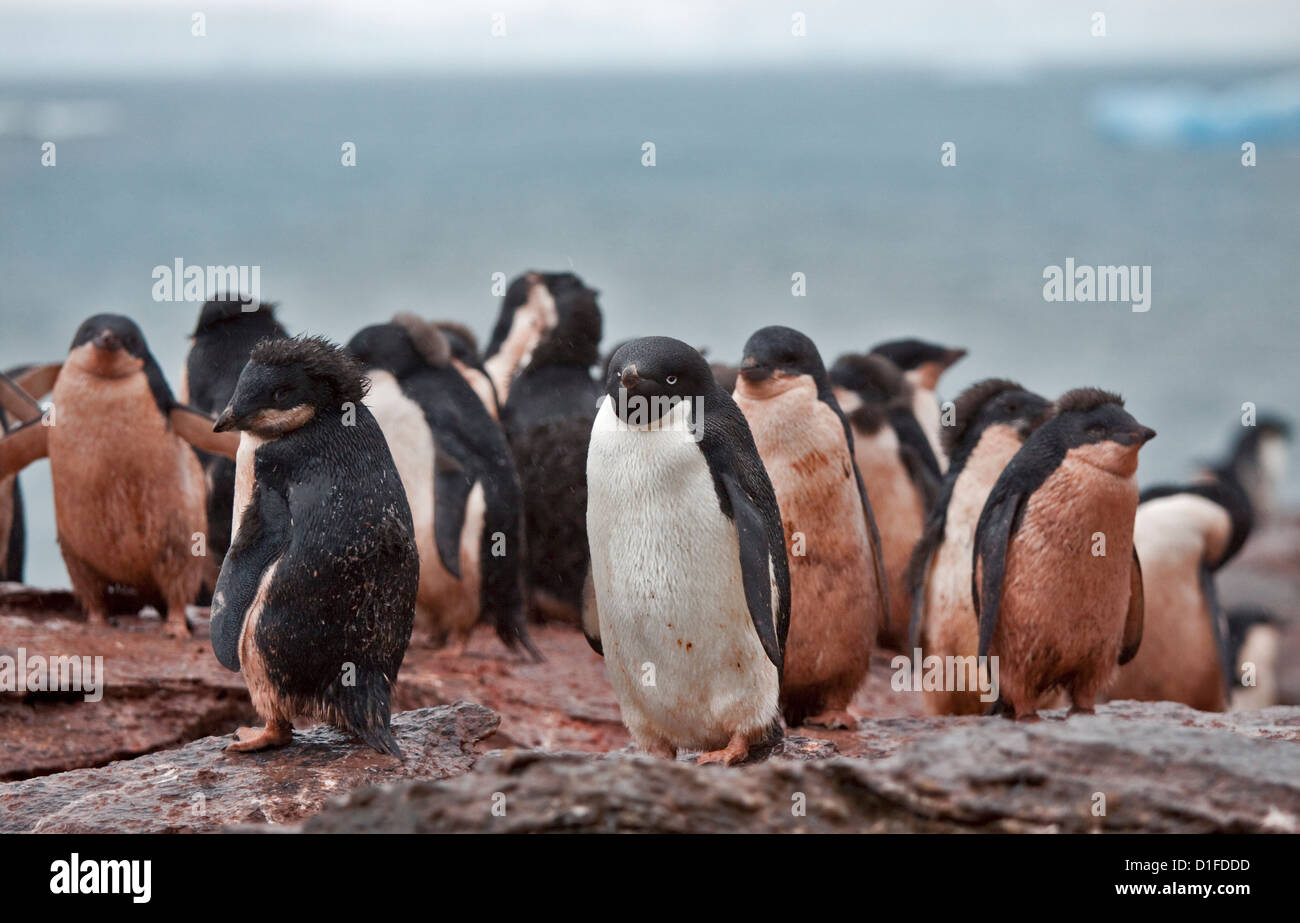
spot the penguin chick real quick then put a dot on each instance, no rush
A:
(550, 401)
(897, 464)
(223, 338)
(991, 421)
(1183, 535)
(689, 576)
(316, 598)
(922, 364)
(129, 495)
(1055, 581)
(459, 478)
(839, 591)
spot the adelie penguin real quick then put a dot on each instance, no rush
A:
(922, 364)
(545, 344)
(839, 593)
(1056, 584)
(316, 597)
(690, 585)
(129, 495)
(898, 467)
(991, 421)
(459, 478)
(220, 346)
(1183, 535)
(17, 406)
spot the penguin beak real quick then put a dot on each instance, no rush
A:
(1145, 435)
(629, 378)
(751, 370)
(226, 421)
(107, 340)
(952, 356)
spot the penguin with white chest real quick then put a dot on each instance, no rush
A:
(839, 594)
(459, 478)
(1184, 534)
(129, 493)
(1055, 581)
(316, 597)
(689, 576)
(898, 467)
(991, 421)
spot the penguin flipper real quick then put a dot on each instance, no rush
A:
(877, 550)
(22, 446)
(1134, 619)
(452, 484)
(263, 534)
(195, 427)
(38, 380)
(591, 615)
(997, 523)
(1219, 627)
(756, 569)
(17, 401)
(918, 567)
(911, 436)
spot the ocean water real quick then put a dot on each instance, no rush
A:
(835, 174)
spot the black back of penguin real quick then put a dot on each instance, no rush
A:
(477, 453)
(329, 505)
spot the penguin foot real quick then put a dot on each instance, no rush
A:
(248, 740)
(734, 752)
(177, 628)
(1081, 710)
(97, 619)
(834, 718)
(1028, 717)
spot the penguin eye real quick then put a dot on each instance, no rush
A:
(279, 395)
(1096, 429)
(671, 379)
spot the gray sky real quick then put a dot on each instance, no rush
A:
(77, 38)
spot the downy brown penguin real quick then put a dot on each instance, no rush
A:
(1055, 581)
(129, 494)
(839, 591)
(898, 467)
(689, 576)
(992, 420)
(316, 597)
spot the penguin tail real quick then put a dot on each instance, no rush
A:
(363, 710)
(514, 635)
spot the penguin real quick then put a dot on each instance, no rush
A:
(22, 408)
(898, 467)
(224, 336)
(991, 421)
(1255, 643)
(1183, 535)
(1055, 580)
(465, 359)
(690, 582)
(459, 478)
(316, 597)
(129, 494)
(839, 592)
(1256, 463)
(540, 358)
(922, 364)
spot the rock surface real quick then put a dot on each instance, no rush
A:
(200, 788)
(1159, 767)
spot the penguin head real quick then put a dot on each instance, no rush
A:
(109, 346)
(289, 383)
(650, 376)
(921, 362)
(560, 314)
(993, 402)
(401, 347)
(775, 358)
(868, 387)
(217, 315)
(462, 342)
(1257, 461)
(1095, 427)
